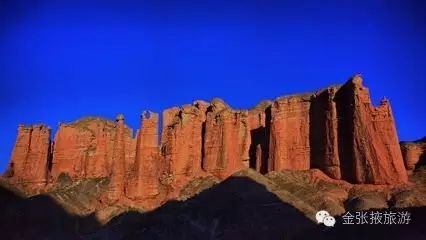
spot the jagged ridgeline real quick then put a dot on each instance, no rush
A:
(336, 130)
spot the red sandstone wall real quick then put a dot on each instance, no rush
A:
(372, 150)
(145, 181)
(336, 129)
(324, 132)
(227, 140)
(30, 156)
(289, 139)
(84, 148)
(181, 143)
(118, 165)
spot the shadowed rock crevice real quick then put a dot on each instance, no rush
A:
(422, 161)
(257, 149)
(345, 114)
(323, 133)
(50, 158)
(260, 127)
(317, 131)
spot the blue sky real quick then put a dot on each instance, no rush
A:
(61, 60)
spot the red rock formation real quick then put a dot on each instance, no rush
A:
(84, 148)
(181, 144)
(289, 139)
(368, 143)
(146, 180)
(30, 157)
(227, 140)
(324, 132)
(336, 129)
(74, 146)
(259, 119)
(414, 154)
(339, 131)
(118, 165)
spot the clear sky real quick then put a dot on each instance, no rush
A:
(61, 60)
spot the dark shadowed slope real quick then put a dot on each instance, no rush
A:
(237, 208)
(38, 217)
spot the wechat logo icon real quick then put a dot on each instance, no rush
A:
(324, 217)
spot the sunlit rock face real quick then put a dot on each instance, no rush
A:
(144, 180)
(368, 142)
(227, 140)
(85, 148)
(335, 129)
(339, 131)
(289, 139)
(31, 157)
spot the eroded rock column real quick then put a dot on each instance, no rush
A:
(181, 145)
(227, 140)
(30, 156)
(145, 184)
(324, 133)
(371, 151)
(118, 166)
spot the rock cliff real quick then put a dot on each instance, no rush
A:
(336, 130)
(31, 157)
